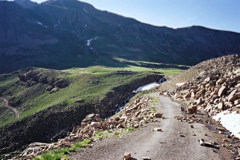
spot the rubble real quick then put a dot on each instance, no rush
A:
(133, 115)
(214, 89)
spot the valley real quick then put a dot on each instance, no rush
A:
(152, 125)
(51, 102)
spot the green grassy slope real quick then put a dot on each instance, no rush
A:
(86, 84)
(50, 101)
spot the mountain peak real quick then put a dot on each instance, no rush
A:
(26, 3)
(73, 4)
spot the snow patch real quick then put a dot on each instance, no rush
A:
(180, 84)
(230, 120)
(40, 23)
(146, 87)
(89, 41)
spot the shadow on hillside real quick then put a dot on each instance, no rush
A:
(88, 62)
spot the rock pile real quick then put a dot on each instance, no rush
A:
(215, 89)
(134, 115)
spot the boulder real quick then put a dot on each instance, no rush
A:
(49, 88)
(42, 80)
(61, 83)
(232, 96)
(200, 101)
(127, 156)
(222, 91)
(79, 101)
(192, 109)
(236, 102)
(158, 129)
(220, 106)
(95, 124)
(54, 90)
(158, 115)
(146, 158)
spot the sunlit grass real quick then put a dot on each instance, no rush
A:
(62, 153)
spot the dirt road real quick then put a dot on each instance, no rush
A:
(165, 145)
(6, 104)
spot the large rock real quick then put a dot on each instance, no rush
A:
(127, 156)
(232, 96)
(222, 91)
(192, 109)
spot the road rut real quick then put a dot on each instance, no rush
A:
(6, 104)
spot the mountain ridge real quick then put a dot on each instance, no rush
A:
(55, 34)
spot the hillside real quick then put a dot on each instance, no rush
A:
(163, 127)
(212, 87)
(68, 33)
(51, 102)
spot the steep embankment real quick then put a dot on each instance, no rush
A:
(176, 126)
(213, 87)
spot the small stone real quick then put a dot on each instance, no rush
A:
(146, 158)
(181, 135)
(127, 156)
(157, 129)
(191, 126)
(194, 134)
(158, 115)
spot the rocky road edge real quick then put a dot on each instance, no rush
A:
(133, 115)
(214, 90)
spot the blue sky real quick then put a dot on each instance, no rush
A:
(216, 14)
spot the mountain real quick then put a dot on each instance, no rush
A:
(26, 3)
(60, 34)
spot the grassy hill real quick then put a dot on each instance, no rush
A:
(50, 101)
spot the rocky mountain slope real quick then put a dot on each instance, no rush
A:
(70, 33)
(209, 88)
(213, 87)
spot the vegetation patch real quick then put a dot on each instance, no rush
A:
(62, 153)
